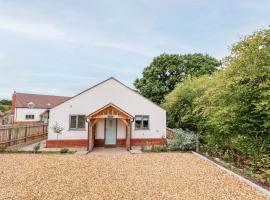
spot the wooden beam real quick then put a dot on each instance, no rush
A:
(109, 116)
(124, 121)
(93, 122)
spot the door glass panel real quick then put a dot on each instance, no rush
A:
(110, 135)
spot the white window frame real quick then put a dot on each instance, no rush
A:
(77, 122)
(142, 117)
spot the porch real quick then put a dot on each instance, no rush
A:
(109, 126)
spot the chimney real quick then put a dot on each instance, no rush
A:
(13, 103)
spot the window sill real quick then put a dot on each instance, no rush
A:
(142, 129)
(77, 129)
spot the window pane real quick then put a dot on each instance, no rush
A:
(145, 122)
(73, 123)
(138, 124)
(81, 121)
(139, 118)
(142, 122)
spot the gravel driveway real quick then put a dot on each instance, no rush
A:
(140, 176)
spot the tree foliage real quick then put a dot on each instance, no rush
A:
(5, 102)
(232, 108)
(166, 70)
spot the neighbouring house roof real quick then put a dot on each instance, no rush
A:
(38, 100)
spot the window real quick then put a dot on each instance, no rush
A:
(29, 116)
(141, 122)
(77, 122)
(31, 105)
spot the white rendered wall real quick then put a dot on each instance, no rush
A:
(20, 114)
(121, 130)
(100, 129)
(110, 91)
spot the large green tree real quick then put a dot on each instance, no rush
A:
(166, 70)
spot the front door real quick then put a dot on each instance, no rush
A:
(110, 131)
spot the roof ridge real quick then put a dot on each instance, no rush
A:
(41, 94)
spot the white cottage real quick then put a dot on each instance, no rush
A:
(32, 108)
(107, 114)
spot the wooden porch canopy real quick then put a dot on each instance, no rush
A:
(108, 111)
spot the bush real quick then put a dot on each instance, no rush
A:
(159, 149)
(230, 109)
(2, 149)
(64, 150)
(183, 140)
(36, 147)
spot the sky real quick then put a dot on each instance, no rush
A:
(63, 47)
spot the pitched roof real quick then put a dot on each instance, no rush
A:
(111, 78)
(40, 101)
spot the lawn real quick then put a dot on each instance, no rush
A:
(140, 176)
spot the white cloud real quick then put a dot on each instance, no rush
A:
(32, 28)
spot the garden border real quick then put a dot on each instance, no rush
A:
(250, 183)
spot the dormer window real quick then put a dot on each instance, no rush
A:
(31, 105)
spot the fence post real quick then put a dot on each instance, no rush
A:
(43, 131)
(9, 136)
(25, 134)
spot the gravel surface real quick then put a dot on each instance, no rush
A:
(133, 176)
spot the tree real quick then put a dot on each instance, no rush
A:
(57, 129)
(180, 103)
(5, 102)
(166, 70)
(232, 108)
(237, 112)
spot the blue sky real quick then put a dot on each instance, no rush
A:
(63, 47)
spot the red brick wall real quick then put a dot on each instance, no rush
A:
(119, 142)
(66, 143)
(100, 142)
(147, 141)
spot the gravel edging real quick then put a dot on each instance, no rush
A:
(257, 187)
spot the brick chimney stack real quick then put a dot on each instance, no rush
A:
(13, 103)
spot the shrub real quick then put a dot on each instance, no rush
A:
(183, 140)
(159, 148)
(64, 150)
(2, 148)
(36, 147)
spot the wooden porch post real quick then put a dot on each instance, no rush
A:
(91, 145)
(88, 136)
